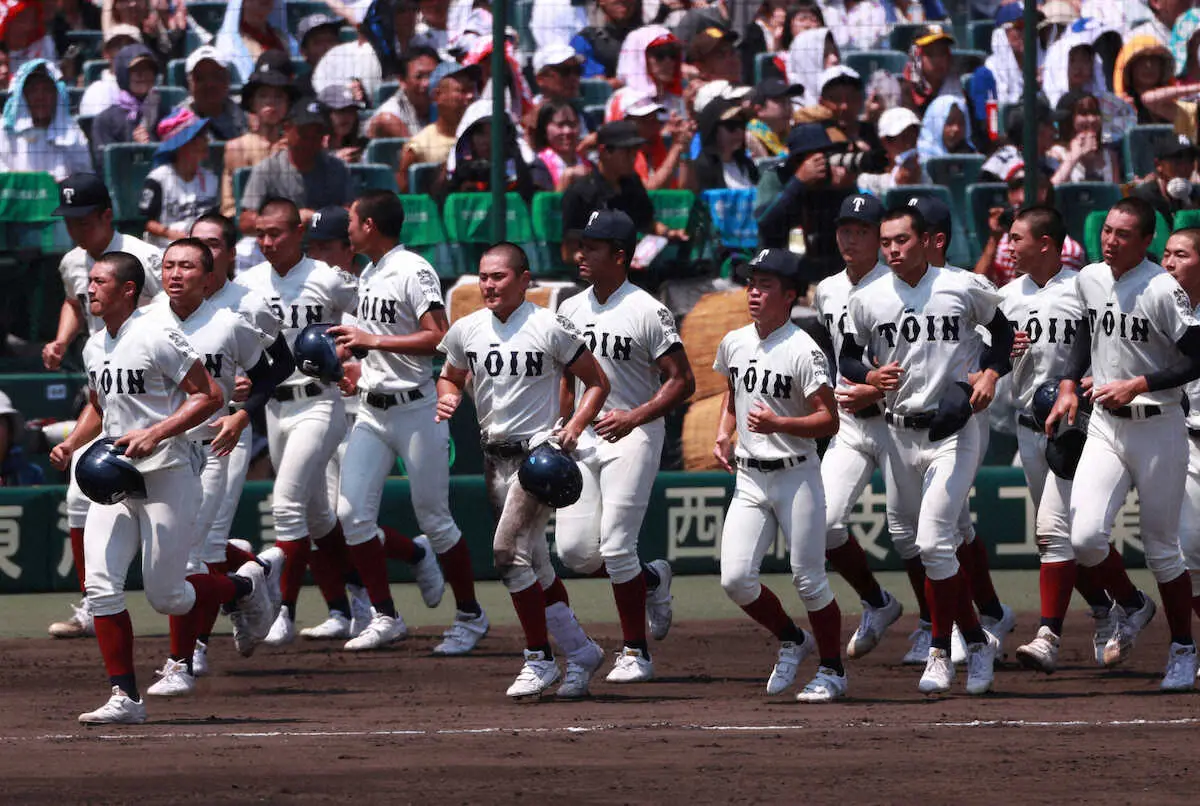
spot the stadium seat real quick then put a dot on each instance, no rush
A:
(1094, 224)
(765, 67)
(125, 168)
(594, 92)
(216, 157)
(867, 62)
(424, 235)
(968, 61)
(385, 150)
(548, 232)
(1137, 149)
(981, 198)
(93, 69)
(520, 15)
(207, 14)
(955, 172)
(594, 116)
(1187, 218)
(384, 91)
(1077, 199)
(468, 221)
(979, 34)
(903, 34)
(169, 98)
(368, 176)
(962, 250)
(90, 42)
(74, 98)
(422, 176)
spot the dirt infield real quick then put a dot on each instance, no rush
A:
(311, 724)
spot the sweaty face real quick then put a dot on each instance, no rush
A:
(858, 243)
(597, 259)
(336, 253)
(1181, 259)
(1121, 243)
(183, 276)
(502, 287)
(104, 293)
(768, 298)
(1024, 248)
(210, 233)
(279, 238)
(903, 249)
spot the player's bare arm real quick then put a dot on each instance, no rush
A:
(424, 341)
(203, 399)
(822, 422)
(857, 396)
(595, 391)
(70, 322)
(449, 391)
(678, 385)
(87, 428)
(726, 428)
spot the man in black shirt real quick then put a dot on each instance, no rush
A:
(1169, 189)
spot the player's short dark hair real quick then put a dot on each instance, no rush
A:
(411, 55)
(1044, 221)
(229, 233)
(206, 256)
(286, 204)
(385, 209)
(919, 225)
(1192, 234)
(126, 269)
(1141, 210)
(514, 256)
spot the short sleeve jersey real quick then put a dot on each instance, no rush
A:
(309, 293)
(136, 375)
(627, 334)
(1050, 316)
(832, 298)
(250, 305)
(927, 328)
(781, 372)
(1135, 323)
(515, 367)
(175, 203)
(76, 264)
(393, 295)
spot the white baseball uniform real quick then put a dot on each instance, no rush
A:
(135, 376)
(306, 420)
(778, 485)
(627, 334)
(928, 329)
(396, 399)
(516, 367)
(1189, 516)
(1135, 323)
(1050, 316)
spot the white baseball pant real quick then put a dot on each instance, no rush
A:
(1189, 516)
(410, 432)
(603, 525)
(765, 503)
(303, 435)
(519, 549)
(927, 485)
(966, 526)
(214, 479)
(238, 464)
(162, 526)
(77, 502)
(333, 470)
(1051, 497)
(1151, 455)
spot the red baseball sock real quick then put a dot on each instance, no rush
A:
(333, 545)
(557, 592)
(827, 629)
(1111, 575)
(1177, 604)
(850, 561)
(371, 561)
(329, 578)
(983, 592)
(76, 537)
(211, 592)
(1088, 588)
(115, 636)
(397, 546)
(916, 577)
(943, 595)
(631, 609)
(456, 568)
(768, 612)
(295, 563)
(1196, 605)
(530, 605)
(1055, 583)
(965, 615)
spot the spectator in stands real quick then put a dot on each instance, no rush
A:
(946, 128)
(432, 26)
(763, 34)
(899, 129)
(318, 34)
(767, 132)
(519, 100)
(266, 97)
(1081, 151)
(303, 172)
(179, 189)
(163, 30)
(703, 14)
(658, 164)
(723, 163)
(252, 27)
(1164, 14)
(354, 65)
(408, 111)
(557, 70)
(556, 136)
(1008, 159)
(1178, 101)
(406, 19)
(220, 235)
(908, 11)
(453, 88)
(208, 87)
(929, 72)
(600, 45)
(554, 22)
(810, 54)
(345, 141)
(468, 169)
(996, 262)
(15, 468)
(842, 99)
(37, 132)
(1074, 63)
(1170, 188)
(712, 55)
(73, 15)
(135, 114)
(1001, 77)
(858, 24)
(328, 239)
(651, 64)
(100, 95)
(23, 33)
(1144, 64)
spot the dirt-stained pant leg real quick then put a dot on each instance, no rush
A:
(519, 549)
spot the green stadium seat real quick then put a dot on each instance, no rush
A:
(126, 166)
(385, 150)
(594, 91)
(1187, 218)
(169, 98)
(74, 98)
(979, 34)
(867, 62)
(956, 172)
(468, 221)
(384, 91)
(90, 42)
(981, 198)
(673, 207)
(422, 176)
(961, 252)
(1094, 224)
(765, 67)
(1077, 199)
(207, 14)
(93, 69)
(216, 157)
(367, 176)
(520, 15)
(1137, 149)
(968, 61)
(424, 235)
(594, 116)
(548, 231)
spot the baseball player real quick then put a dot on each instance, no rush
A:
(401, 319)
(917, 325)
(86, 207)
(633, 338)
(513, 354)
(147, 388)
(779, 402)
(306, 418)
(860, 445)
(1142, 341)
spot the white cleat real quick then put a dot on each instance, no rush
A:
(119, 710)
(659, 612)
(200, 659)
(827, 686)
(79, 625)
(920, 641)
(581, 668)
(1181, 668)
(1040, 654)
(283, 631)
(939, 673)
(958, 646)
(463, 635)
(631, 667)
(173, 680)
(1126, 627)
(981, 664)
(791, 654)
(874, 623)
(334, 628)
(382, 630)
(252, 618)
(361, 612)
(1000, 628)
(273, 557)
(429, 574)
(537, 675)
(1102, 631)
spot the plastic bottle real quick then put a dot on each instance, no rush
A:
(993, 117)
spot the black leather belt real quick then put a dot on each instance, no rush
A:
(1028, 421)
(287, 393)
(1193, 432)
(505, 450)
(381, 401)
(1136, 412)
(873, 410)
(767, 465)
(922, 420)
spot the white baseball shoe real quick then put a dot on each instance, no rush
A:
(958, 646)
(1126, 627)
(253, 614)
(463, 635)
(872, 626)
(631, 667)
(939, 673)
(1040, 654)
(273, 557)
(791, 654)
(659, 612)
(283, 631)
(200, 659)
(429, 574)
(537, 675)
(920, 641)
(827, 686)
(361, 611)
(173, 680)
(981, 664)
(1102, 630)
(382, 631)
(334, 628)
(1181, 668)
(79, 625)
(582, 666)
(119, 710)
(1001, 627)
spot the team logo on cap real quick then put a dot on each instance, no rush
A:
(759, 258)
(315, 108)
(316, 220)
(592, 218)
(69, 195)
(912, 202)
(858, 203)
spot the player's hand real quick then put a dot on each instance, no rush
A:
(762, 420)
(857, 397)
(1020, 344)
(229, 430)
(1085, 386)
(887, 377)
(615, 424)
(1066, 406)
(1115, 394)
(60, 456)
(52, 355)
(351, 374)
(349, 337)
(446, 406)
(723, 451)
(139, 443)
(983, 390)
(241, 389)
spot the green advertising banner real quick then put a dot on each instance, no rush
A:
(683, 524)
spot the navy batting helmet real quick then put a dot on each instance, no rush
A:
(1064, 449)
(1044, 398)
(316, 353)
(550, 476)
(106, 476)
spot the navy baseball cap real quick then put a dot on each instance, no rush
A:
(619, 134)
(780, 262)
(307, 111)
(80, 194)
(809, 137)
(329, 224)
(934, 211)
(953, 411)
(610, 225)
(861, 207)
(447, 69)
